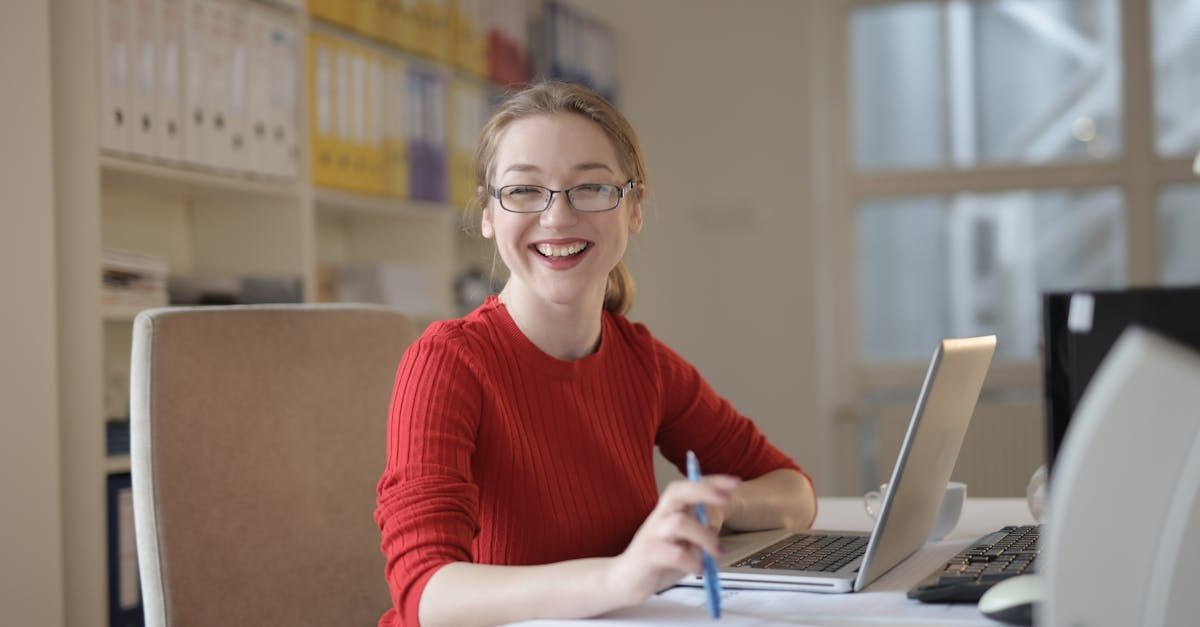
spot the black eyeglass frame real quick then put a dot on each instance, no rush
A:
(495, 192)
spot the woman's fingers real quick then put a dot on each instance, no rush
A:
(668, 544)
(680, 527)
(683, 559)
(714, 490)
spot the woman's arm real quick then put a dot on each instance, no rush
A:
(781, 498)
(665, 548)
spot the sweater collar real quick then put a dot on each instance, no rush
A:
(529, 353)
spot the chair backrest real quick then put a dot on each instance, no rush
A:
(258, 434)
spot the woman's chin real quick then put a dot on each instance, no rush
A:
(566, 293)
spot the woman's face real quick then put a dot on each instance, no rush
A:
(561, 256)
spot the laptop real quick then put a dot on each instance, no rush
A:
(847, 561)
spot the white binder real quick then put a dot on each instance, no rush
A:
(169, 80)
(143, 131)
(238, 101)
(116, 33)
(196, 117)
(284, 101)
(216, 83)
(258, 93)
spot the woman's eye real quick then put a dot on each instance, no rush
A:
(523, 191)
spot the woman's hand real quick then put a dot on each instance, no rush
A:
(667, 545)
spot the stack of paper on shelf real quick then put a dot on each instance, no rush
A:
(132, 279)
(236, 290)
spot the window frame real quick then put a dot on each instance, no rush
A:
(1139, 173)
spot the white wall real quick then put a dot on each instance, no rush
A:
(31, 525)
(726, 265)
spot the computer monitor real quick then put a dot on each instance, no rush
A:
(1080, 327)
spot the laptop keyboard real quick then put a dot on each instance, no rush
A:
(964, 578)
(808, 552)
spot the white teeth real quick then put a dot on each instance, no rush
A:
(560, 251)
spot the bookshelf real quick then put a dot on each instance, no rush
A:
(216, 220)
(205, 222)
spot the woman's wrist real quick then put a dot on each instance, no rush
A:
(615, 586)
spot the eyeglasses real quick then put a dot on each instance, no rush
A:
(589, 197)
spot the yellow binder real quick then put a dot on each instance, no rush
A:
(366, 17)
(371, 151)
(469, 39)
(323, 102)
(335, 11)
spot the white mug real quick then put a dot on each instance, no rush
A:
(1035, 492)
(952, 505)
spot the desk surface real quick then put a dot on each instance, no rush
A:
(883, 602)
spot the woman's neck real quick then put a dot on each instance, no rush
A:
(566, 331)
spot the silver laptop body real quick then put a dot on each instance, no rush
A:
(923, 466)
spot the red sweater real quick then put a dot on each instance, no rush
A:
(498, 453)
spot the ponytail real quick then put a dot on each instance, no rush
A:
(618, 294)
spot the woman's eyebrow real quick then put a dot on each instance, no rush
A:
(582, 167)
(592, 165)
(521, 167)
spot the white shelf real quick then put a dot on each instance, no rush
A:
(181, 178)
(340, 202)
(114, 464)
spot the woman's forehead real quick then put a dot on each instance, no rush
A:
(555, 143)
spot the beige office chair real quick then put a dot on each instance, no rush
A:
(258, 434)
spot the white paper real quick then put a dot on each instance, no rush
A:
(659, 610)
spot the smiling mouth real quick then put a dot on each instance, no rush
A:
(560, 251)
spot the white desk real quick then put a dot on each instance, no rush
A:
(883, 602)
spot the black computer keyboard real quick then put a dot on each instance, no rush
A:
(964, 578)
(808, 552)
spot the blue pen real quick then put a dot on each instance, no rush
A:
(712, 585)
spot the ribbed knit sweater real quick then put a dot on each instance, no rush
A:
(498, 453)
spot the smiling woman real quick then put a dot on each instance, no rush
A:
(503, 419)
(603, 131)
(559, 256)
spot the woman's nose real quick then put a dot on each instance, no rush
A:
(560, 212)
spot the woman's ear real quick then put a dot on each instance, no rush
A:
(635, 211)
(485, 222)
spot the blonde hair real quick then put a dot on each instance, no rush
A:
(555, 97)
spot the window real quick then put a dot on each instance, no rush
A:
(1179, 235)
(989, 162)
(1176, 57)
(939, 84)
(990, 150)
(973, 264)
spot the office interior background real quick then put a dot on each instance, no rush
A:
(834, 186)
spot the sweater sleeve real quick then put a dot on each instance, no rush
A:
(696, 418)
(427, 501)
